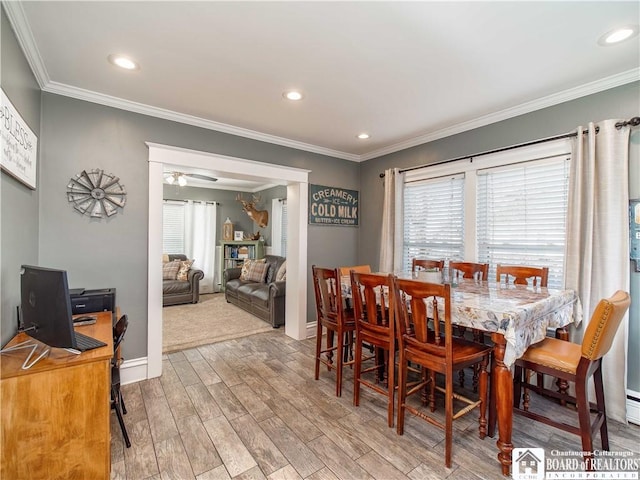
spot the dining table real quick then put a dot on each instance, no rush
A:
(515, 316)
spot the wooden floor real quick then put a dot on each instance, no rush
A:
(250, 409)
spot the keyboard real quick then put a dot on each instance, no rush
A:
(84, 342)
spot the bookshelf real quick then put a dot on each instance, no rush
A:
(235, 253)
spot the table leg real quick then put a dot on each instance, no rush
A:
(502, 381)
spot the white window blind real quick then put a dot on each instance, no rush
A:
(434, 219)
(521, 212)
(279, 226)
(173, 227)
(283, 237)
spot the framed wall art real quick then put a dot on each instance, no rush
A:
(19, 155)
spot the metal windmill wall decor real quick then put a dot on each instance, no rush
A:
(96, 193)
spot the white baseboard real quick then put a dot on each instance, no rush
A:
(633, 406)
(311, 329)
(132, 371)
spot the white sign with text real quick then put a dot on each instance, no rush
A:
(19, 148)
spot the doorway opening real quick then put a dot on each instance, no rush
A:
(297, 191)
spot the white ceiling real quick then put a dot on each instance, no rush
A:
(405, 72)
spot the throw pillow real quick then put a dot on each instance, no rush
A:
(282, 272)
(165, 258)
(170, 270)
(245, 267)
(183, 273)
(256, 271)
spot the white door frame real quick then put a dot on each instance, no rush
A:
(297, 194)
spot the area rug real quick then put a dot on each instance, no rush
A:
(210, 320)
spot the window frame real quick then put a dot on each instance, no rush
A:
(469, 167)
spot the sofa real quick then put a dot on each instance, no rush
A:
(262, 295)
(178, 291)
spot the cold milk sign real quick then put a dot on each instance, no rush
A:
(333, 206)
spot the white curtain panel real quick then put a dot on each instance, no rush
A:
(392, 233)
(200, 240)
(597, 247)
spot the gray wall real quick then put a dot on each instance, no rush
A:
(112, 252)
(622, 102)
(18, 204)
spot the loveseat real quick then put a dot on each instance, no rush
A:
(261, 293)
(177, 291)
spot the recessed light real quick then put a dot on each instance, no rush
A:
(292, 95)
(123, 62)
(363, 136)
(618, 35)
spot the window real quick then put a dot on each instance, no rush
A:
(173, 227)
(279, 226)
(433, 219)
(521, 212)
(511, 210)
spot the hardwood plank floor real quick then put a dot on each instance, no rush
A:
(249, 408)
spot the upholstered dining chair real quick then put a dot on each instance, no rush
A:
(575, 363)
(334, 319)
(355, 268)
(374, 308)
(424, 264)
(117, 401)
(436, 350)
(521, 274)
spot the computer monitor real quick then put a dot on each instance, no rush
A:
(46, 306)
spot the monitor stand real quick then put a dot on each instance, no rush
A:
(28, 344)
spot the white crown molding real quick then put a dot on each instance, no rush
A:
(528, 107)
(110, 101)
(20, 25)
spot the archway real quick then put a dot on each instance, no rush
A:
(297, 192)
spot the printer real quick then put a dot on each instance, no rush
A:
(91, 301)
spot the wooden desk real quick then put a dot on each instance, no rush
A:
(55, 415)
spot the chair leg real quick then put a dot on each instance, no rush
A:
(340, 363)
(357, 372)
(115, 395)
(448, 423)
(391, 384)
(517, 386)
(584, 420)
(402, 394)
(482, 385)
(597, 381)
(124, 409)
(318, 348)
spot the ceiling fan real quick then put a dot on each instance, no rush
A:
(181, 178)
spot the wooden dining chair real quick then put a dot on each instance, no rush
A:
(522, 274)
(332, 317)
(436, 350)
(539, 276)
(479, 271)
(424, 264)
(355, 268)
(575, 363)
(374, 311)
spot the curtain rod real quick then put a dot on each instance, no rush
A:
(634, 122)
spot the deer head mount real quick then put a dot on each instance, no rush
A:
(261, 217)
